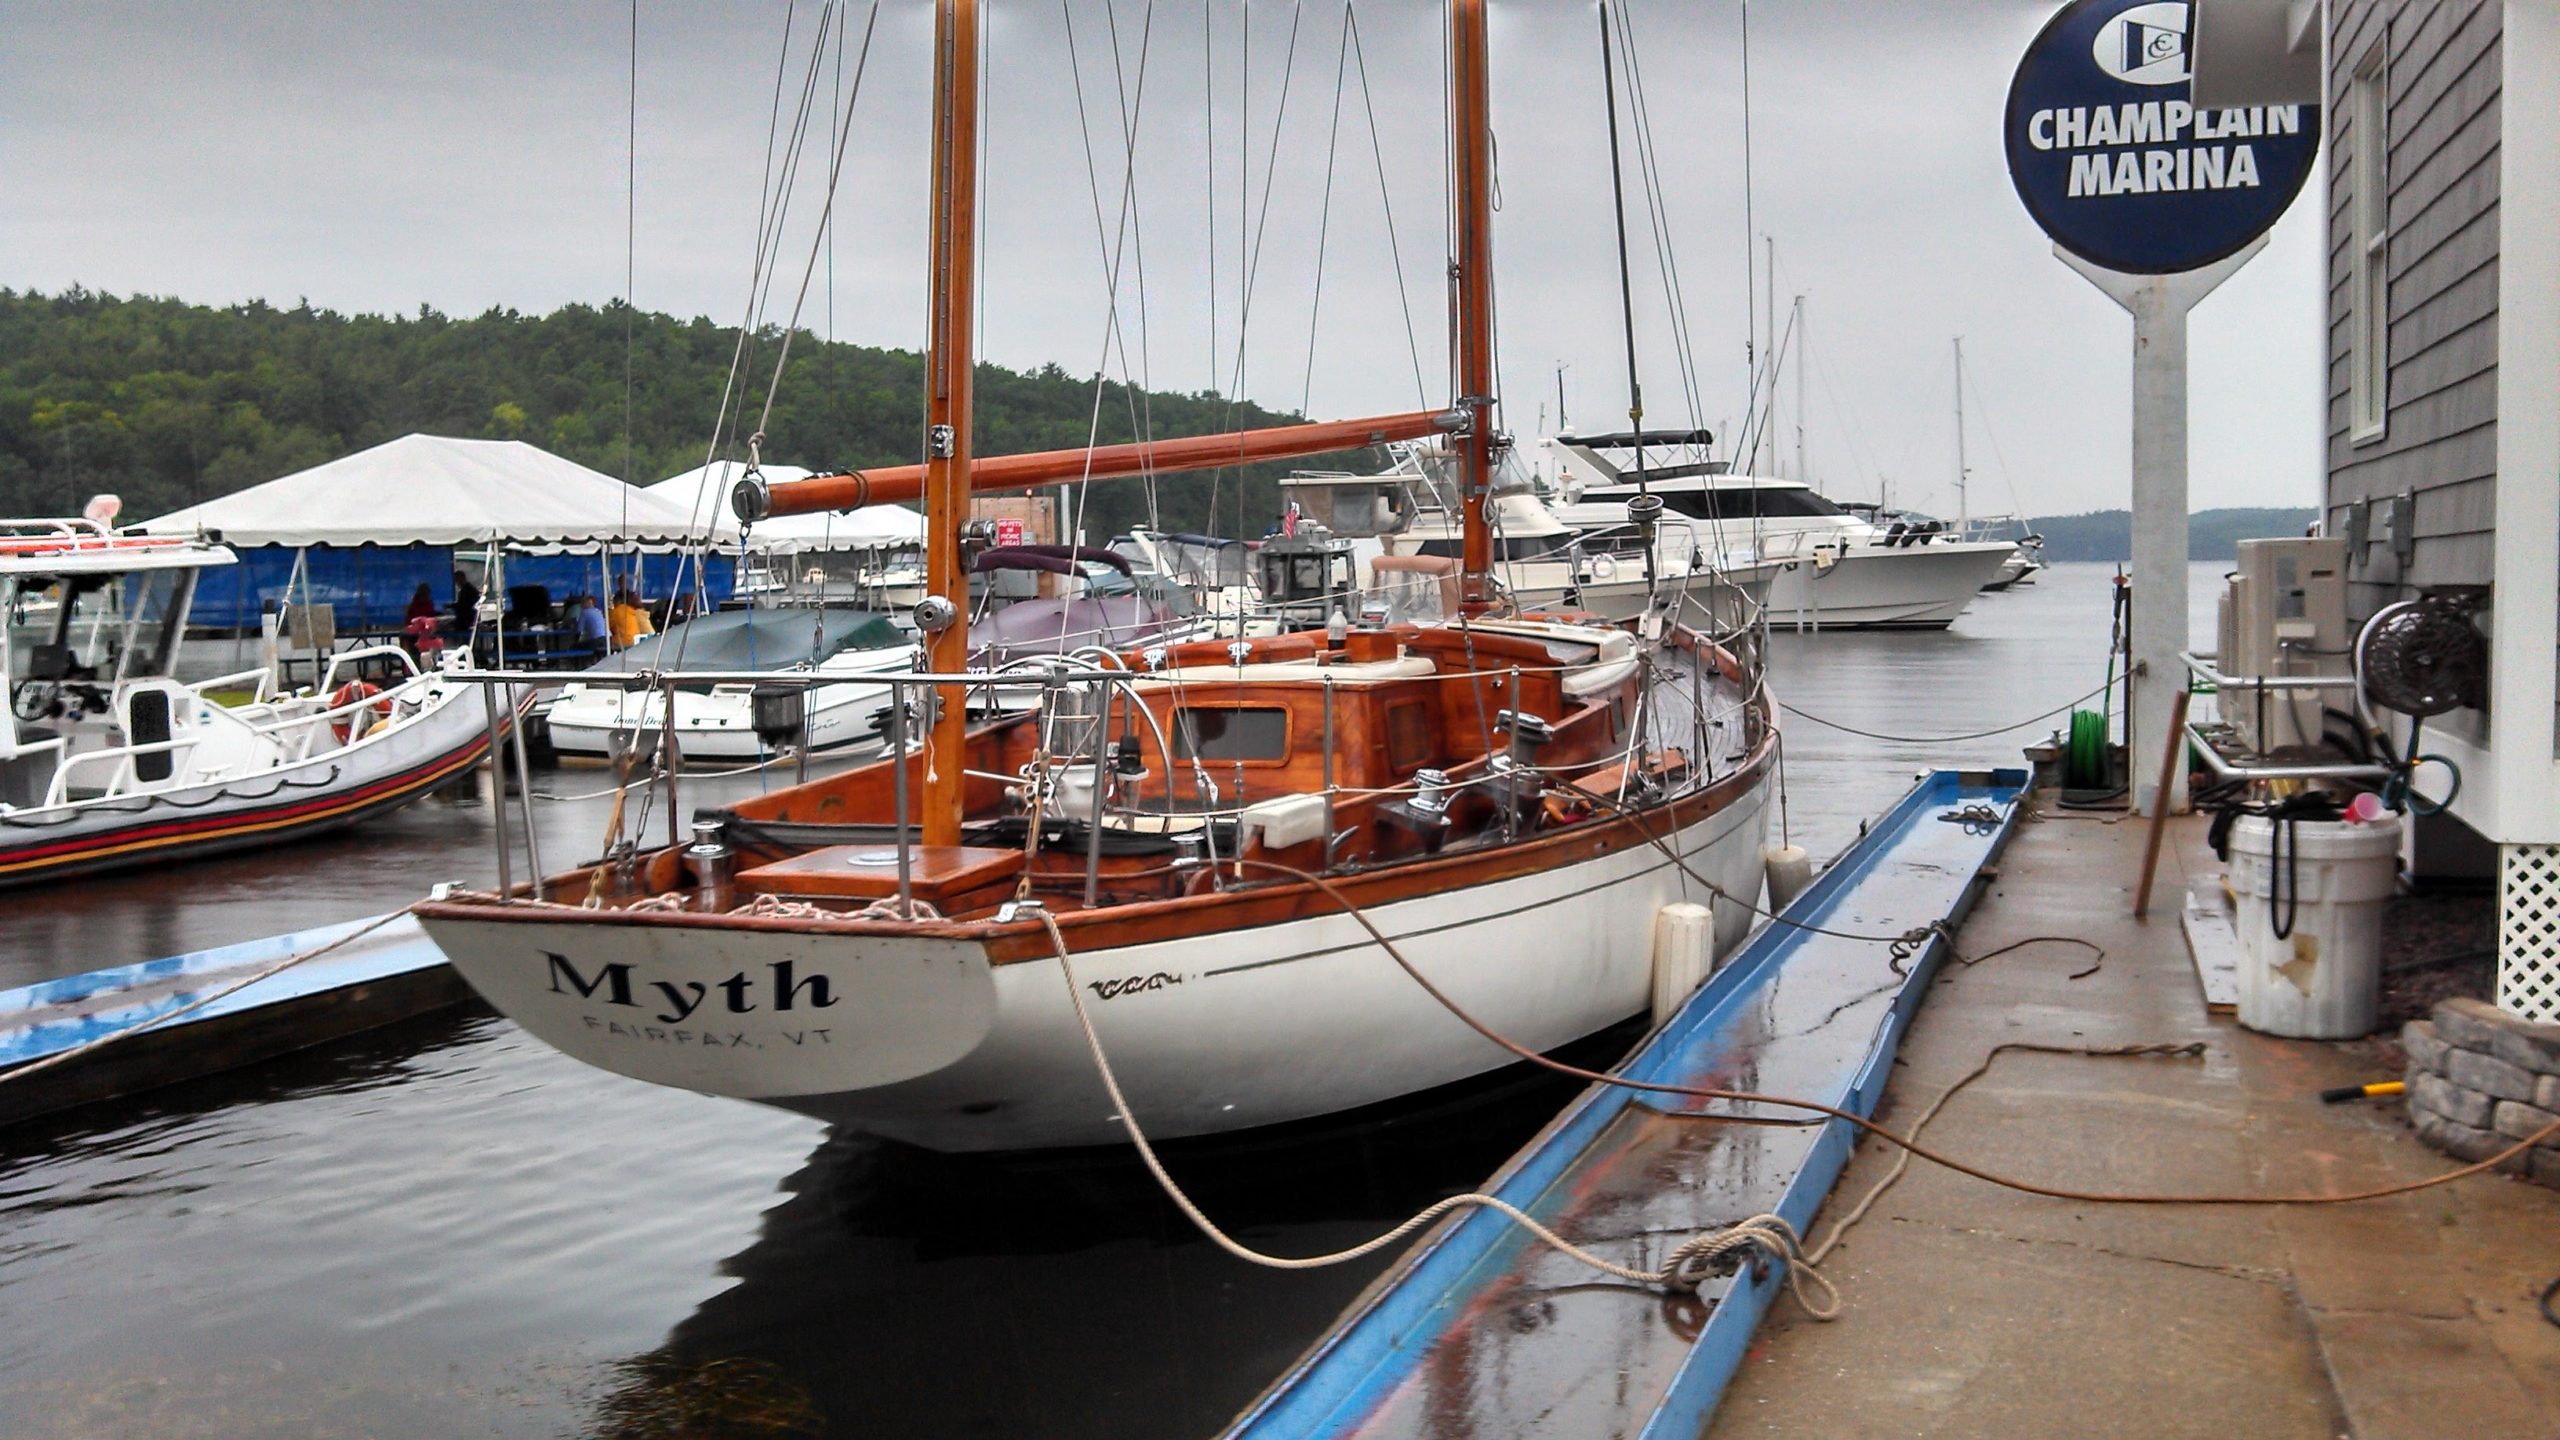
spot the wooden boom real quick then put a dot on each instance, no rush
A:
(852, 489)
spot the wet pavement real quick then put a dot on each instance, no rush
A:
(1976, 1311)
(446, 1229)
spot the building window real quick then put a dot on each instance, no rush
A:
(2369, 283)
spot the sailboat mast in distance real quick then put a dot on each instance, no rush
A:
(1471, 136)
(949, 373)
(1961, 472)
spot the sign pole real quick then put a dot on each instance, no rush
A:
(2156, 202)
(2159, 305)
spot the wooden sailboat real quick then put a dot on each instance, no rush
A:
(1511, 798)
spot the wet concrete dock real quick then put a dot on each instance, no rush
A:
(1979, 1311)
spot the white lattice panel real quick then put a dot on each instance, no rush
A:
(2529, 931)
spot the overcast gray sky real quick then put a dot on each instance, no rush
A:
(377, 157)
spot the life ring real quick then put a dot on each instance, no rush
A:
(1604, 568)
(346, 717)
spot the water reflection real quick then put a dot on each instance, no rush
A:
(894, 1291)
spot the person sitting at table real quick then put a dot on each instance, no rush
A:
(593, 630)
(629, 618)
(466, 601)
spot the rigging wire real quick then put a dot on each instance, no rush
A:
(835, 172)
(1141, 405)
(1750, 240)
(1386, 201)
(1250, 257)
(1113, 246)
(1657, 208)
(1324, 213)
(630, 259)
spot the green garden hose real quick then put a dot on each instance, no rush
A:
(2084, 758)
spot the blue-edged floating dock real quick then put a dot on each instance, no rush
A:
(1481, 1330)
(390, 974)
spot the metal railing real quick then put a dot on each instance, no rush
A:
(1093, 667)
(2224, 767)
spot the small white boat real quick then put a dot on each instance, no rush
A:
(110, 761)
(599, 719)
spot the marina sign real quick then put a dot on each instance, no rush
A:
(2115, 162)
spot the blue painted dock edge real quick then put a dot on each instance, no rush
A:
(390, 973)
(1342, 1379)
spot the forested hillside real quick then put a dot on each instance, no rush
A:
(167, 403)
(2211, 534)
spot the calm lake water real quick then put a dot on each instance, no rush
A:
(445, 1229)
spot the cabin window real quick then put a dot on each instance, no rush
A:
(2369, 247)
(1409, 739)
(1750, 503)
(1238, 733)
(1505, 547)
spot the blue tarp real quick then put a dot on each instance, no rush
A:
(371, 584)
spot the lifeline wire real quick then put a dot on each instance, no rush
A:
(1943, 739)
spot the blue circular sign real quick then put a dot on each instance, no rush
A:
(2117, 164)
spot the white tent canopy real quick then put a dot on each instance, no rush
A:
(431, 490)
(704, 491)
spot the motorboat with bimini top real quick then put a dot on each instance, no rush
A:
(109, 761)
(1182, 845)
(1835, 569)
(599, 718)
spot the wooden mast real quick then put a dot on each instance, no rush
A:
(949, 375)
(1471, 139)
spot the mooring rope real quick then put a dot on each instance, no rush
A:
(1692, 1261)
(1872, 1127)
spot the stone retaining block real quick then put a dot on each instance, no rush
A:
(2426, 1050)
(2480, 1080)
(2516, 1122)
(2435, 1095)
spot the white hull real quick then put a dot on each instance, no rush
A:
(924, 1041)
(590, 721)
(1625, 595)
(443, 729)
(1914, 587)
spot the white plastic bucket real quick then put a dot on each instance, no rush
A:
(2322, 980)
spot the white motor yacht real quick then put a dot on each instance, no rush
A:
(1542, 562)
(1833, 569)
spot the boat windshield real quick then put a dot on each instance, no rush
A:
(1749, 503)
(94, 627)
(155, 611)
